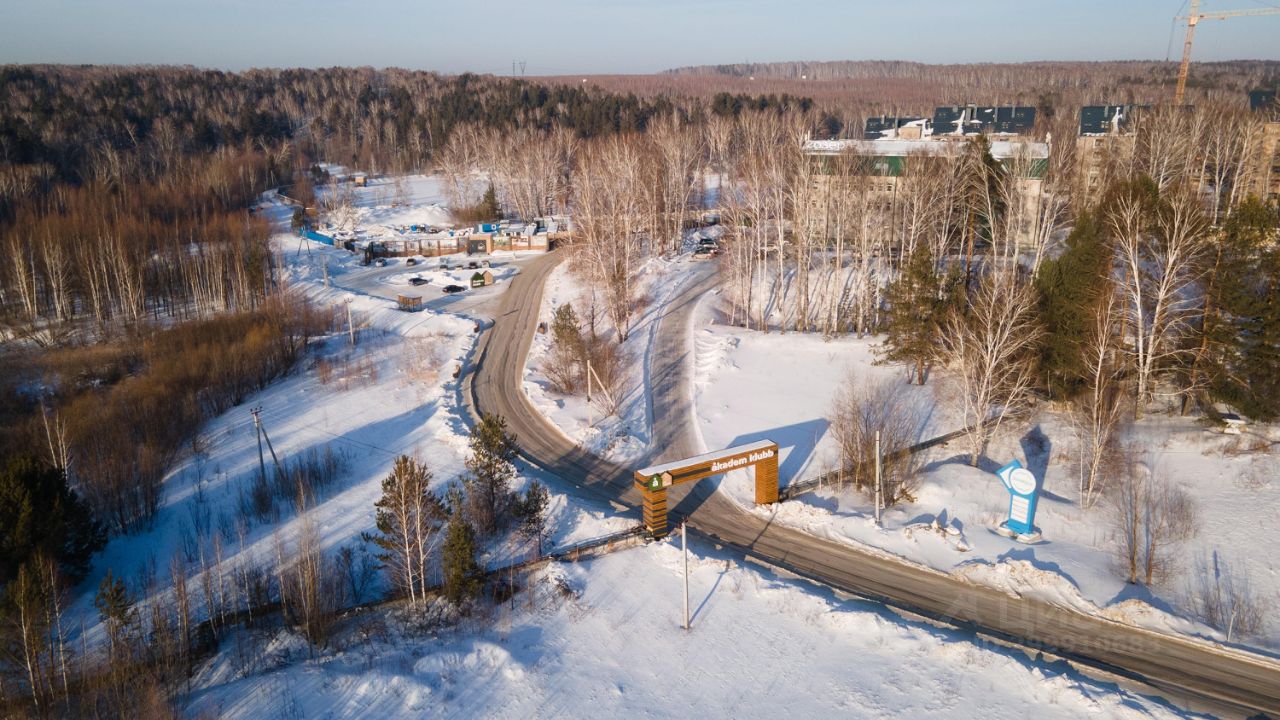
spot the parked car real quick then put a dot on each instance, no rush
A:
(411, 261)
(418, 281)
(473, 265)
(704, 253)
(451, 289)
(380, 262)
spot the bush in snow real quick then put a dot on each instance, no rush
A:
(1150, 516)
(1224, 599)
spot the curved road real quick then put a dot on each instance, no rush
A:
(1188, 672)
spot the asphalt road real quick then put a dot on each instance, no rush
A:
(1188, 672)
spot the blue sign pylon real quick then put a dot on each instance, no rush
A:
(1024, 494)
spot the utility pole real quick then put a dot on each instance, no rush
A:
(684, 548)
(877, 477)
(257, 425)
(351, 328)
(262, 434)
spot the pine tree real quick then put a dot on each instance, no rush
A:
(564, 366)
(489, 204)
(462, 575)
(1242, 362)
(1069, 289)
(919, 301)
(115, 607)
(39, 513)
(407, 518)
(531, 510)
(490, 472)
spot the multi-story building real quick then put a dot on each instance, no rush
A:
(1108, 139)
(1264, 177)
(1105, 142)
(879, 166)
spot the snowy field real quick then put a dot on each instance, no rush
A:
(387, 203)
(602, 639)
(753, 385)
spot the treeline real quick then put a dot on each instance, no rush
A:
(118, 250)
(63, 120)
(1236, 75)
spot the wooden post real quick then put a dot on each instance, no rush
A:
(767, 481)
(654, 511)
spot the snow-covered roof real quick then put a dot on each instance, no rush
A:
(1000, 149)
(706, 457)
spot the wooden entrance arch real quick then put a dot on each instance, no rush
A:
(654, 480)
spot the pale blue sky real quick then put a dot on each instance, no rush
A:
(606, 36)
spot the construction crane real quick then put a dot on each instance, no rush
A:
(1193, 18)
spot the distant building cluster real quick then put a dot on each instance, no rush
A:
(1107, 138)
(954, 120)
(891, 145)
(1109, 135)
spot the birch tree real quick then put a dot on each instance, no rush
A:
(1159, 244)
(408, 519)
(991, 348)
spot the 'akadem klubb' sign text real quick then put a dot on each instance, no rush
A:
(731, 463)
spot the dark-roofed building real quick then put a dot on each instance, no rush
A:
(888, 127)
(1103, 119)
(1015, 120)
(983, 119)
(947, 120)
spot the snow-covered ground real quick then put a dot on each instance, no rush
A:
(761, 645)
(753, 385)
(394, 393)
(602, 639)
(388, 202)
(625, 435)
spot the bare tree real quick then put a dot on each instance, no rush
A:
(1096, 413)
(1159, 258)
(862, 409)
(610, 222)
(677, 149)
(309, 585)
(991, 349)
(459, 162)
